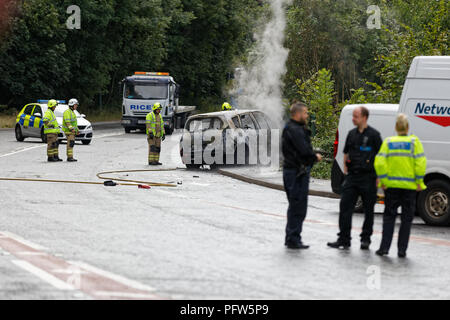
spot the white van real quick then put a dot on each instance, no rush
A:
(426, 101)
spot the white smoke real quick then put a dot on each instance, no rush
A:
(260, 86)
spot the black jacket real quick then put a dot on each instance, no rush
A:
(362, 149)
(296, 146)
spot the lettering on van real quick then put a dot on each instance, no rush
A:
(141, 107)
(437, 114)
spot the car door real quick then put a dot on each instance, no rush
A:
(36, 121)
(25, 120)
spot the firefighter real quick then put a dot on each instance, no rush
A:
(400, 166)
(51, 130)
(70, 128)
(226, 107)
(155, 133)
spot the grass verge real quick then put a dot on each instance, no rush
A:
(7, 121)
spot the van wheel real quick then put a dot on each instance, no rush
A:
(19, 135)
(433, 204)
(127, 130)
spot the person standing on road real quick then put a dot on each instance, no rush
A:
(51, 130)
(70, 127)
(361, 147)
(400, 166)
(299, 158)
(155, 133)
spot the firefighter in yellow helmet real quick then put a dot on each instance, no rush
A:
(51, 130)
(226, 107)
(400, 166)
(155, 134)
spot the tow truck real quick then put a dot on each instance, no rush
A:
(142, 90)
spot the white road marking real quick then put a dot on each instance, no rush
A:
(127, 282)
(61, 285)
(45, 145)
(200, 184)
(22, 240)
(31, 253)
(176, 195)
(22, 150)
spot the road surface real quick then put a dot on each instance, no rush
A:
(212, 237)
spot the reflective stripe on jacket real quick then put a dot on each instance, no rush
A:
(69, 121)
(50, 119)
(401, 163)
(151, 122)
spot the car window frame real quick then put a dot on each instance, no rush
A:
(264, 118)
(255, 124)
(26, 107)
(34, 111)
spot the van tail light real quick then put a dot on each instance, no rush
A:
(336, 144)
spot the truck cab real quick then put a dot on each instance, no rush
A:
(141, 91)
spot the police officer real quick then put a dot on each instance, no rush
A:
(400, 166)
(299, 158)
(155, 133)
(51, 130)
(70, 127)
(226, 107)
(361, 147)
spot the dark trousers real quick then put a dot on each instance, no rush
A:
(394, 199)
(297, 193)
(354, 186)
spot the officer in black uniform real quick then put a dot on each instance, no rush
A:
(361, 147)
(299, 157)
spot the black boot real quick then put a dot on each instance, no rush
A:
(57, 158)
(51, 159)
(381, 252)
(71, 160)
(338, 245)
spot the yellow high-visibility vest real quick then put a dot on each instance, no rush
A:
(151, 121)
(69, 121)
(50, 119)
(401, 163)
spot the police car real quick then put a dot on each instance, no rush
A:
(29, 122)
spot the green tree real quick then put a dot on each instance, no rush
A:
(33, 61)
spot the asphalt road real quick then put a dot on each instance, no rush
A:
(212, 237)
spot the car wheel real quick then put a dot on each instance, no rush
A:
(19, 135)
(127, 130)
(86, 142)
(433, 204)
(43, 136)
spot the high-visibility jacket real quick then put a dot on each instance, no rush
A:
(50, 119)
(401, 163)
(151, 121)
(69, 121)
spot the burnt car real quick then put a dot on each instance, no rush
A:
(236, 137)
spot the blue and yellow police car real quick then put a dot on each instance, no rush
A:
(29, 122)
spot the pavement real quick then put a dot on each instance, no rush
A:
(211, 237)
(273, 178)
